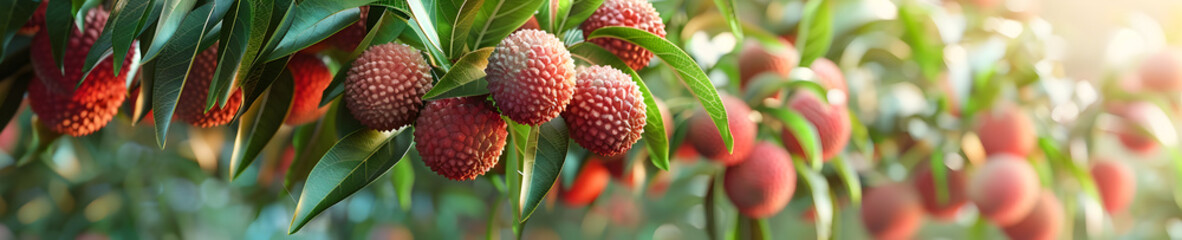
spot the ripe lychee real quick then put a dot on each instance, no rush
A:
(1004, 189)
(954, 183)
(763, 184)
(190, 107)
(1116, 184)
(345, 40)
(606, 114)
(1162, 71)
(587, 185)
(460, 138)
(36, 21)
(829, 75)
(629, 173)
(531, 76)
(52, 94)
(311, 77)
(384, 89)
(1044, 222)
(832, 121)
(704, 136)
(891, 211)
(1006, 130)
(756, 59)
(638, 14)
(686, 153)
(1135, 128)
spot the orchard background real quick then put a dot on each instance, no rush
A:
(590, 119)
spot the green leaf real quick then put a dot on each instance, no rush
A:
(540, 173)
(260, 78)
(13, 15)
(766, 85)
(312, 141)
(167, 25)
(13, 89)
(388, 28)
(425, 28)
(58, 23)
(686, 68)
(654, 129)
(123, 26)
(816, 31)
(926, 49)
(849, 176)
(498, 18)
(803, 130)
(316, 20)
(727, 8)
(174, 67)
(552, 14)
(240, 41)
(354, 162)
(468, 69)
(260, 122)
(580, 10)
(456, 17)
(1081, 173)
(819, 189)
(403, 178)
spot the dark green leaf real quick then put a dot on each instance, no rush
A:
(580, 10)
(167, 25)
(12, 89)
(727, 8)
(425, 28)
(240, 41)
(498, 18)
(174, 66)
(260, 78)
(456, 21)
(803, 130)
(541, 172)
(59, 22)
(260, 122)
(315, 20)
(816, 31)
(819, 189)
(469, 68)
(123, 26)
(13, 15)
(403, 177)
(687, 70)
(351, 164)
(311, 142)
(654, 129)
(345, 122)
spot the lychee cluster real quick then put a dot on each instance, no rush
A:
(460, 138)
(531, 76)
(1006, 130)
(311, 77)
(1004, 189)
(385, 86)
(638, 14)
(52, 94)
(191, 105)
(705, 138)
(761, 185)
(607, 113)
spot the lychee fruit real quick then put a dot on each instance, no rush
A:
(311, 77)
(606, 114)
(345, 40)
(52, 95)
(460, 138)
(686, 153)
(756, 59)
(628, 173)
(1162, 71)
(1006, 130)
(891, 211)
(8, 136)
(829, 75)
(1135, 128)
(36, 21)
(761, 185)
(190, 107)
(532, 23)
(385, 87)
(1044, 222)
(587, 185)
(638, 14)
(954, 183)
(1004, 189)
(705, 138)
(832, 121)
(1116, 184)
(531, 76)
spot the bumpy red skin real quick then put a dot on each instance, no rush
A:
(1162, 72)
(1006, 130)
(891, 212)
(311, 77)
(704, 136)
(587, 185)
(385, 87)
(832, 121)
(191, 106)
(531, 76)
(606, 114)
(1116, 183)
(52, 95)
(925, 183)
(35, 22)
(755, 59)
(638, 14)
(1044, 222)
(345, 40)
(460, 138)
(763, 184)
(1005, 189)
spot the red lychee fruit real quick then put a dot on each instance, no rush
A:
(891, 211)
(1135, 127)
(638, 14)
(1006, 130)
(35, 22)
(755, 59)
(1044, 222)
(1004, 189)
(832, 121)
(587, 185)
(52, 94)
(629, 173)
(460, 138)
(311, 77)
(1116, 184)
(385, 87)
(532, 23)
(763, 184)
(1162, 71)
(190, 107)
(954, 183)
(704, 136)
(829, 74)
(531, 76)
(606, 114)
(686, 153)
(8, 136)
(345, 40)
